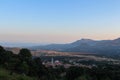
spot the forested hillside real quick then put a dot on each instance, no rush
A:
(23, 66)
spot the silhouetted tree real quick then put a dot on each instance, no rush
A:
(25, 55)
(1, 49)
(23, 68)
(2, 55)
(74, 72)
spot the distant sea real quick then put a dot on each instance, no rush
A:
(19, 44)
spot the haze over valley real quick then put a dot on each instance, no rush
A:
(59, 39)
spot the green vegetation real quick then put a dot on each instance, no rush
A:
(25, 67)
(23, 64)
(5, 75)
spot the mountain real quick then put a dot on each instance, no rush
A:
(86, 45)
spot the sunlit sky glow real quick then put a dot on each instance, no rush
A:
(58, 21)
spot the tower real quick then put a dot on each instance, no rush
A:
(52, 61)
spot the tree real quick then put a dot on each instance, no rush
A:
(38, 67)
(74, 72)
(7, 57)
(2, 53)
(23, 68)
(25, 55)
(1, 49)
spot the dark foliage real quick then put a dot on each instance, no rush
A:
(24, 64)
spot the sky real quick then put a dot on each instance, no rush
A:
(58, 21)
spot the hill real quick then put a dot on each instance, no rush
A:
(86, 46)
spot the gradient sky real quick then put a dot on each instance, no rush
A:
(58, 21)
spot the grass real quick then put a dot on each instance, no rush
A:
(5, 75)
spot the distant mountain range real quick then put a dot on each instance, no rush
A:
(87, 46)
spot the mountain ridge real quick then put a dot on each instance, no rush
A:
(86, 45)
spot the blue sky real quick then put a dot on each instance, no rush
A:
(58, 21)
